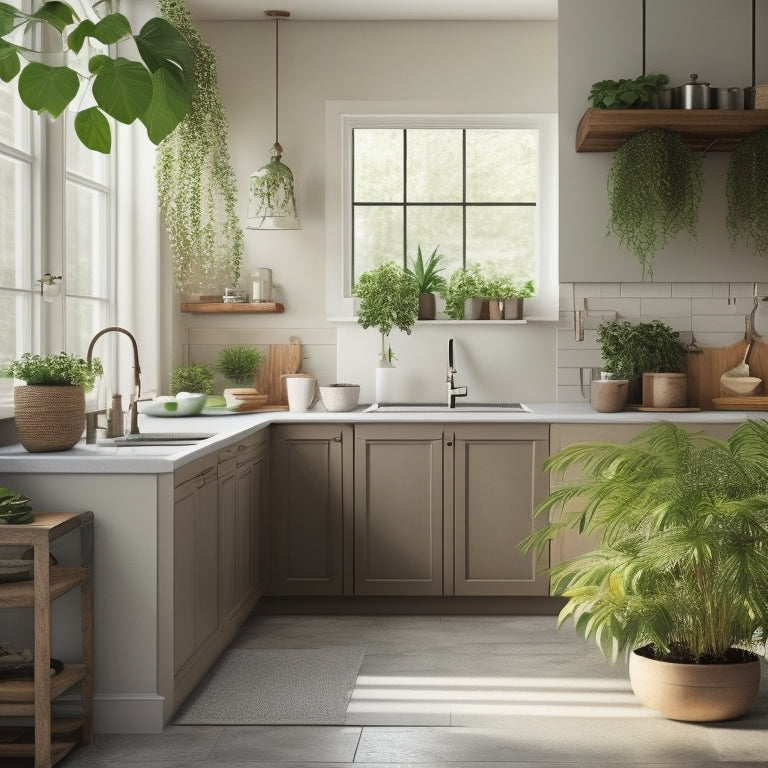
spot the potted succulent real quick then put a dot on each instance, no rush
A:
(464, 293)
(654, 189)
(679, 577)
(389, 299)
(633, 351)
(194, 377)
(428, 280)
(155, 88)
(49, 409)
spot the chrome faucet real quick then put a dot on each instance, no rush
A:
(453, 391)
(90, 432)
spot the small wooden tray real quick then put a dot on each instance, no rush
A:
(756, 403)
(682, 409)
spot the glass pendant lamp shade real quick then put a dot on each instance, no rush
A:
(271, 198)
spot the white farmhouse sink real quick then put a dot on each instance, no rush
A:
(443, 408)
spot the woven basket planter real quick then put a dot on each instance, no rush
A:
(49, 419)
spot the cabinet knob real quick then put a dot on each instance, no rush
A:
(337, 439)
(449, 443)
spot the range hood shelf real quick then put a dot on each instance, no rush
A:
(716, 130)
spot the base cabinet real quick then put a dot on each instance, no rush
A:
(310, 511)
(399, 509)
(440, 509)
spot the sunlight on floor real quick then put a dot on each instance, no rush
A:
(520, 696)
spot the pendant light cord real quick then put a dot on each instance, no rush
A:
(277, 36)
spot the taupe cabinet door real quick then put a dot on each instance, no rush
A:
(311, 486)
(399, 509)
(498, 481)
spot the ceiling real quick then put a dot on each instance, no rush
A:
(377, 10)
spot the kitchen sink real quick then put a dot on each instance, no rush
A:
(160, 438)
(443, 408)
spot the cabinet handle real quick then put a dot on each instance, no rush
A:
(449, 443)
(337, 439)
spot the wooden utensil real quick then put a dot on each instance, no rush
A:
(281, 358)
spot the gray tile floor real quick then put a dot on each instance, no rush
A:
(458, 691)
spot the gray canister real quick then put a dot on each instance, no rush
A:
(728, 98)
(694, 95)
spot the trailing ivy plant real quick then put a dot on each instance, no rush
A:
(746, 191)
(155, 89)
(197, 186)
(654, 189)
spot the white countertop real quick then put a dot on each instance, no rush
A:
(104, 457)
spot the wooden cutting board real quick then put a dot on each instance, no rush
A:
(705, 369)
(281, 358)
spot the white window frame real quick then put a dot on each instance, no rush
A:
(343, 117)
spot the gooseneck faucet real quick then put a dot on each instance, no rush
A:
(453, 391)
(133, 407)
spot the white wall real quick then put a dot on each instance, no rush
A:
(485, 67)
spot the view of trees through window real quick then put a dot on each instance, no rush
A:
(471, 192)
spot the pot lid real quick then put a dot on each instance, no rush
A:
(694, 79)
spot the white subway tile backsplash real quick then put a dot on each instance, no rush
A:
(625, 308)
(646, 290)
(653, 308)
(720, 306)
(689, 290)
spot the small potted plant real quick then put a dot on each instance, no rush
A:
(428, 280)
(632, 351)
(49, 409)
(679, 577)
(626, 93)
(239, 364)
(389, 298)
(464, 293)
(194, 377)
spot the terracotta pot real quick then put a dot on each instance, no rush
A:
(427, 306)
(609, 395)
(495, 309)
(695, 693)
(49, 418)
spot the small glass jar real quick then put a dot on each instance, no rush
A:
(234, 296)
(262, 284)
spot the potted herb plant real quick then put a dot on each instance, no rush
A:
(679, 577)
(239, 364)
(654, 189)
(428, 280)
(626, 93)
(633, 350)
(746, 190)
(155, 88)
(389, 298)
(49, 409)
(464, 293)
(510, 294)
(193, 377)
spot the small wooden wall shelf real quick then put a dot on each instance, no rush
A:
(716, 130)
(232, 308)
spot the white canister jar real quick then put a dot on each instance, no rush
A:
(262, 285)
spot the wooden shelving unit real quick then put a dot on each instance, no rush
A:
(48, 741)
(714, 130)
(227, 308)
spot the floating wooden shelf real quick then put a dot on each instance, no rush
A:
(231, 308)
(715, 130)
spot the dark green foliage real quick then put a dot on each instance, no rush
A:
(631, 349)
(627, 93)
(654, 189)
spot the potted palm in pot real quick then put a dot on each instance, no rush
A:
(389, 299)
(49, 409)
(428, 281)
(679, 577)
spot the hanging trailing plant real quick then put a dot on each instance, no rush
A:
(654, 189)
(197, 187)
(746, 192)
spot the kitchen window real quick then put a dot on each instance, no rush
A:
(481, 188)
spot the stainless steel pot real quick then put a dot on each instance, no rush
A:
(694, 95)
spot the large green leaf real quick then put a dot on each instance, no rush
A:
(9, 61)
(170, 104)
(57, 14)
(112, 28)
(162, 46)
(77, 36)
(92, 128)
(122, 88)
(8, 16)
(47, 89)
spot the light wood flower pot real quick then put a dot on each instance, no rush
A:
(49, 418)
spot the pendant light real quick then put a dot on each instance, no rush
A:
(271, 200)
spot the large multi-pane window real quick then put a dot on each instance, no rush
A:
(471, 192)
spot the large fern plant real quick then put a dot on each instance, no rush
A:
(654, 189)
(197, 186)
(682, 520)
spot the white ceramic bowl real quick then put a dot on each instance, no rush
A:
(340, 397)
(183, 404)
(740, 385)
